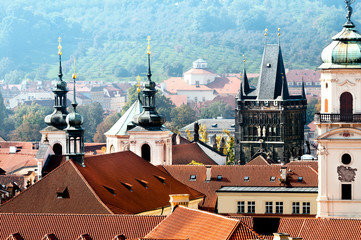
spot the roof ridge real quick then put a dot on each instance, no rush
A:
(209, 213)
(90, 188)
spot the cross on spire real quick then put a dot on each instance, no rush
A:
(59, 47)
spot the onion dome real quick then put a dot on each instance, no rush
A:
(345, 49)
(74, 120)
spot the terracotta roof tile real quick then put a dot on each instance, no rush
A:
(183, 154)
(12, 162)
(178, 100)
(259, 175)
(259, 160)
(244, 232)
(71, 226)
(226, 85)
(320, 229)
(186, 223)
(308, 75)
(199, 71)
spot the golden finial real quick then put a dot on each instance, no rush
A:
(148, 38)
(74, 75)
(266, 32)
(138, 84)
(59, 47)
(244, 58)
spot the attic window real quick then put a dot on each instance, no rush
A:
(62, 193)
(84, 237)
(112, 191)
(300, 179)
(219, 178)
(246, 179)
(128, 186)
(268, 65)
(233, 126)
(272, 179)
(161, 179)
(192, 177)
(214, 125)
(143, 183)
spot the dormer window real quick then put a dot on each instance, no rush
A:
(219, 178)
(300, 179)
(214, 125)
(110, 190)
(192, 177)
(246, 179)
(272, 179)
(62, 193)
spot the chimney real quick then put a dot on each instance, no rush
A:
(208, 173)
(283, 171)
(280, 236)
(178, 199)
(13, 149)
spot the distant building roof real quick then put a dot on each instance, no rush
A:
(213, 125)
(306, 75)
(178, 100)
(184, 154)
(258, 176)
(199, 71)
(120, 127)
(269, 189)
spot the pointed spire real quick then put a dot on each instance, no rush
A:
(59, 52)
(265, 36)
(148, 51)
(303, 89)
(74, 104)
(244, 90)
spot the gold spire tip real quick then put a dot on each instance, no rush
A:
(148, 38)
(59, 46)
(279, 32)
(74, 74)
(138, 84)
(244, 58)
(266, 32)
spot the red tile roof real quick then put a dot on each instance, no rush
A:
(71, 226)
(183, 154)
(259, 176)
(12, 162)
(226, 85)
(199, 71)
(108, 183)
(259, 160)
(320, 229)
(178, 100)
(308, 75)
(185, 223)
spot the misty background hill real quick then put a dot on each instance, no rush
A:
(108, 37)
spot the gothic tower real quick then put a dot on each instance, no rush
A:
(269, 121)
(75, 132)
(147, 136)
(339, 125)
(54, 133)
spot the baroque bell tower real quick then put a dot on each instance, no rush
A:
(339, 125)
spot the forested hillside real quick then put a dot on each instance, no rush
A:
(109, 37)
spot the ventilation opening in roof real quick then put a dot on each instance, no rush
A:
(112, 191)
(300, 179)
(246, 179)
(160, 178)
(62, 193)
(143, 183)
(192, 177)
(219, 178)
(272, 179)
(128, 186)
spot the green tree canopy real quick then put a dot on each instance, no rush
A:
(93, 115)
(182, 116)
(217, 109)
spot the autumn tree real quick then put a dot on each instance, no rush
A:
(28, 121)
(104, 126)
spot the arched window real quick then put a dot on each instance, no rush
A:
(326, 105)
(58, 149)
(112, 149)
(146, 152)
(346, 110)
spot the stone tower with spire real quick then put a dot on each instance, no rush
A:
(269, 121)
(54, 133)
(148, 137)
(75, 132)
(339, 125)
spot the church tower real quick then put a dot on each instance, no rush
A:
(75, 132)
(147, 136)
(54, 133)
(269, 121)
(339, 125)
